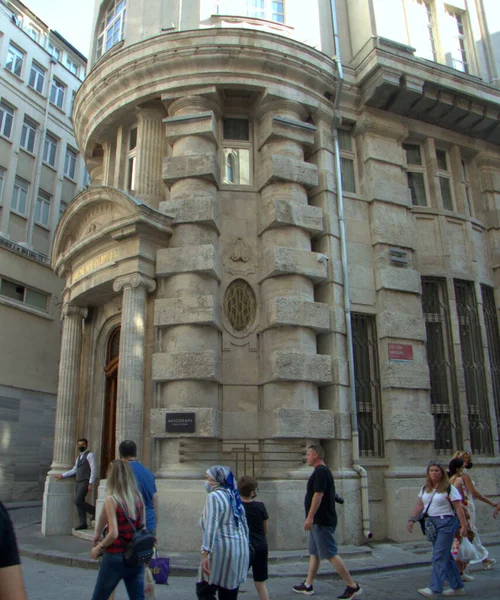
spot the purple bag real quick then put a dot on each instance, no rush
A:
(160, 568)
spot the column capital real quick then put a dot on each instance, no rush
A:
(193, 104)
(152, 113)
(134, 280)
(282, 107)
(72, 309)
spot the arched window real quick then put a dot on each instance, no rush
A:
(111, 27)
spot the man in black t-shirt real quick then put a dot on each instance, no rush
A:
(11, 579)
(321, 520)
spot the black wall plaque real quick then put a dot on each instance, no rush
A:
(180, 423)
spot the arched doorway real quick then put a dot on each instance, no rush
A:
(109, 425)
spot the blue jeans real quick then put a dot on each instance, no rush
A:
(113, 569)
(444, 566)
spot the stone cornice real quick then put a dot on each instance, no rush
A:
(283, 66)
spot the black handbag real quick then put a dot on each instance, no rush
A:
(141, 547)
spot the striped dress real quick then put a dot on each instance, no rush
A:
(227, 544)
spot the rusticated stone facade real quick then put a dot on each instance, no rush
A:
(212, 233)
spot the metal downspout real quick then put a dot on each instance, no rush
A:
(365, 509)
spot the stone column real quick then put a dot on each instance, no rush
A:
(57, 515)
(130, 395)
(291, 368)
(149, 185)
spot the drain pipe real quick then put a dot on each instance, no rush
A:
(365, 509)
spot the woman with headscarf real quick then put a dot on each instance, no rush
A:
(474, 494)
(225, 547)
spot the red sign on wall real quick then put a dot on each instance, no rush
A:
(400, 352)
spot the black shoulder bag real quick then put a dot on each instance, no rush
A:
(426, 525)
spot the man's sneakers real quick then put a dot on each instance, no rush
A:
(351, 592)
(454, 592)
(307, 590)
(428, 593)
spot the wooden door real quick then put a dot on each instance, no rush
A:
(110, 396)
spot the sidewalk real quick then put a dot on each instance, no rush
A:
(373, 557)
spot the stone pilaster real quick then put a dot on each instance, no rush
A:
(149, 186)
(57, 515)
(130, 394)
(291, 368)
(187, 363)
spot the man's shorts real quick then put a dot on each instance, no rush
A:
(321, 541)
(259, 564)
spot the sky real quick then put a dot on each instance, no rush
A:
(71, 18)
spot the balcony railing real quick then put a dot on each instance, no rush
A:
(26, 252)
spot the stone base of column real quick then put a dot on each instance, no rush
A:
(181, 502)
(101, 497)
(58, 506)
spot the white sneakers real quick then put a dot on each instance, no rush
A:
(456, 592)
(428, 593)
(466, 577)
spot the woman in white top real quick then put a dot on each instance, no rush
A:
(443, 504)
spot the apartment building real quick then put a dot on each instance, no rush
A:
(41, 170)
(291, 235)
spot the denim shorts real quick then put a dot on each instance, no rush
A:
(322, 542)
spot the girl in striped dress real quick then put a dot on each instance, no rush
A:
(225, 547)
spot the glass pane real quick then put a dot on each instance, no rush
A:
(36, 299)
(237, 166)
(236, 129)
(413, 155)
(12, 290)
(417, 188)
(345, 140)
(348, 179)
(444, 183)
(441, 160)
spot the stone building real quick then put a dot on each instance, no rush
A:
(280, 246)
(41, 171)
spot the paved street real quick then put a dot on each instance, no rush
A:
(46, 581)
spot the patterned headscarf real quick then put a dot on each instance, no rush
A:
(224, 478)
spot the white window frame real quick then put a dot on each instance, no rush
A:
(2, 181)
(416, 168)
(132, 159)
(50, 144)
(32, 31)
(72, 66)
(57, 93)
(37, 77)
(111, 27)
(25, 293)
(54, 51)
(20, 196)
(457, 41)
(70, 159)
(42, 208)
(249, 8)
(445, 175)
(15, 57)
(414, 27)
(347, 154)
(465, 181)
(6, 119)
(28, 135)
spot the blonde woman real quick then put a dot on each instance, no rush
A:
(474, 494)
(123, 499)
(442, 502)
(455, 470)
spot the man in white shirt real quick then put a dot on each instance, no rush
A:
(84, 471)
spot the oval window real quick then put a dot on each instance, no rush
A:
(240, 305)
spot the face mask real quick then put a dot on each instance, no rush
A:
(469, 465)
(81, 448)
(208, 487)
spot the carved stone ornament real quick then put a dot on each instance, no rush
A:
(240, 305)
(132, 281)
(239, 262)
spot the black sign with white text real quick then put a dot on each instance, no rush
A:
(180, 423)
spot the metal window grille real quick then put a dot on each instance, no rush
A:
(367, 378)
(493, 338)
(442, 368)
(474, 368)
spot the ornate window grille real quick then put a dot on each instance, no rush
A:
(367, 377)
(442, 368)
(240, 305)
(474, 368)
(493, 338)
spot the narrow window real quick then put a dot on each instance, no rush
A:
(57, 91)
(493, 339)
(20, 293)
(464, 180)
(474, 368)
(415, 174)
(6, 119)
(367, 378)
(71, 66)
(420, 21)
(111, 28)
(19, 196)
(236, 151)
(444, 177)
(37, 77)
(62, 207)
(54, 51)
(70, 163)
(2, 179)
(42, 208)
(50, 150)
(456, 42)
(347, 161)
(131, 159)
(28, 135)
(15, 58)
(441, 363)
(272, 10)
